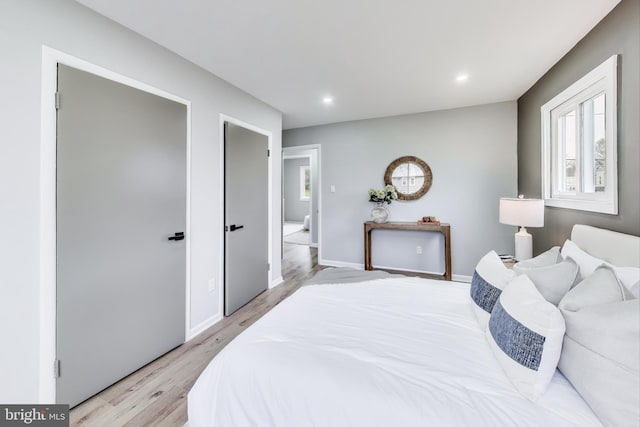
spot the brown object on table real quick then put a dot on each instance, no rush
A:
(429, 220)
(445, 229)
(420, 221)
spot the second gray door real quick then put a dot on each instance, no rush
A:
(246, 214)
(121, 194)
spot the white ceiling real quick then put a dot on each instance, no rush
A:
(376, 57)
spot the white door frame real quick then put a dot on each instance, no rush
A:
(271, 282)
(293, 152)
(50, 59)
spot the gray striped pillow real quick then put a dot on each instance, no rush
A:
(525, 334)
(489, 279)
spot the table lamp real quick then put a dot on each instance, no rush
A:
(523, 213)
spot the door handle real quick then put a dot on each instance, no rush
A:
(177, 236)
(234, 227)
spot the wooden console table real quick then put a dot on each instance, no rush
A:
(445, 229)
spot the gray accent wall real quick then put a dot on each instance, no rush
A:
(472, 155)
(27, 25)
(294, 209)
(617, 33)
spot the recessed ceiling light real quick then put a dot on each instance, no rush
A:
(462, 77)
(327, 100)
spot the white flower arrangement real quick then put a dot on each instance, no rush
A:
(385, 195)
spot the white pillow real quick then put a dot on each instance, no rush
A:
(587, 263)
(629, 276)
(554, 281)
(550, 257)
(601, 352)
(525, 333)
(489, 279)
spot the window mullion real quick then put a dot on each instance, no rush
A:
(579, 148)
(562, 180)
(588, 146)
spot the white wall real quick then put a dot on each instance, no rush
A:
(27, 25)
(472, 154)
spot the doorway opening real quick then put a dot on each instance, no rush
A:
(301, 202)
(296, 199)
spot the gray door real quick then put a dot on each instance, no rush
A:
(121, 193)
(246, 214)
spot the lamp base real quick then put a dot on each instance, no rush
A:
(524, 245)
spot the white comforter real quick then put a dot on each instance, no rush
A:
(390, 352)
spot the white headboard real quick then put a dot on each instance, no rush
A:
(619, 249)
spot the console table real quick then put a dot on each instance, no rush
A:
(445, 229)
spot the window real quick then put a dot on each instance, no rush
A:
(579, 143)
(305, 182)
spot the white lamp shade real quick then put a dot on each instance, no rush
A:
(522, 212)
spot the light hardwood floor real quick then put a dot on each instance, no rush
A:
(156, 395)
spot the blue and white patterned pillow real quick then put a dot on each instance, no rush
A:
(525, 333)
(489, 279)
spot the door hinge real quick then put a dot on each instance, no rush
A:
(268, 267)
(56, 368)
(268, 153)
(57, 100)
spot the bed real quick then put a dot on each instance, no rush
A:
(356, 348)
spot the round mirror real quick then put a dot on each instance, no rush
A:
(410, 175)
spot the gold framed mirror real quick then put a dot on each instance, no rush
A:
(410, 175)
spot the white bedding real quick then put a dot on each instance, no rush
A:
(389, 352)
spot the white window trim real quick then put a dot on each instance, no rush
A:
(605, 76)
(304, 198)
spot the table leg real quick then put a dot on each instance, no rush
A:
(447, 253)
(367, 248)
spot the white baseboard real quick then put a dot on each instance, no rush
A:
(461, 278)
(332, 263)
(207, 323)
(400, 270)
(313, 245)
(275, 282)
(204, 325)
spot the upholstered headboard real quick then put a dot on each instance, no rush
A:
(619, 249)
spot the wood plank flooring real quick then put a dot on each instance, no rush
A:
(156, 395)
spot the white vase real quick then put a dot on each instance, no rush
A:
(379, 214)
